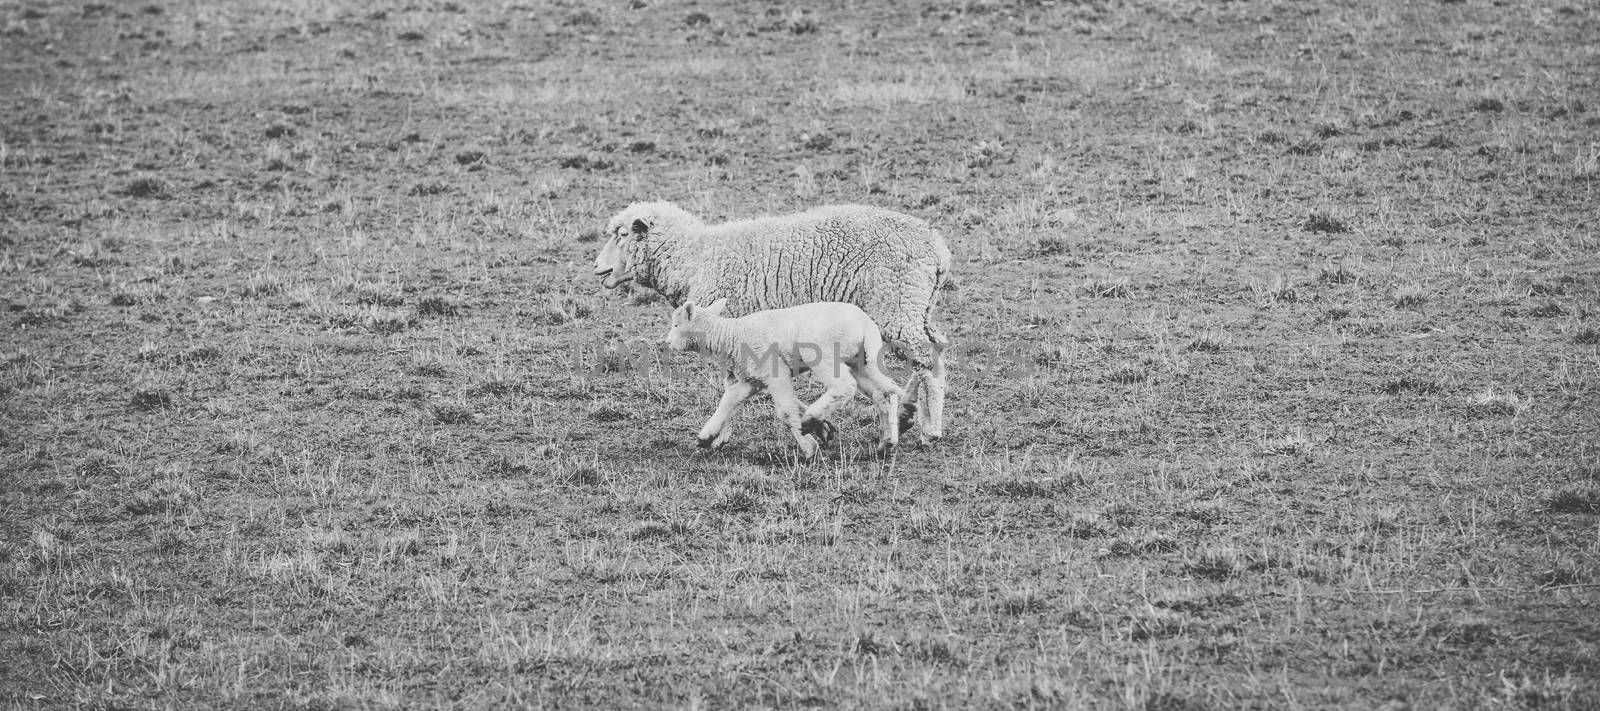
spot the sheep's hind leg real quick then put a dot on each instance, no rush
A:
(719, 428)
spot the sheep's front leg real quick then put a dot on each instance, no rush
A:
(934, 389)
(909, 413)
(787, 407)
(885, 405)
(719, 428)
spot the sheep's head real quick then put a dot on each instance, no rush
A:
(688, 332)
(612, 266)
(633, 240)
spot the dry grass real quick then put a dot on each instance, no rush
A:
(1274, 385)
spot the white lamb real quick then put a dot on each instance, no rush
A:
(890, 265)
(767, 349)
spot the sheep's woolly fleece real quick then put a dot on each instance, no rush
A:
(889, 264)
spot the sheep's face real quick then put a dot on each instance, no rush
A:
(612, 264)
(622, 237)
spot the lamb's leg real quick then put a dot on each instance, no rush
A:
(837, 391)
(787, 407)
(719, 428)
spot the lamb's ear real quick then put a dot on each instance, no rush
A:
(715, 309)
(687, 309)
(640, 228)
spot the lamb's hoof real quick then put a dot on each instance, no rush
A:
(886, 448)
(908, 417)
(705, 442)
(822, 430)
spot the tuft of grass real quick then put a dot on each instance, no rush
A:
(497, 381)
(438, 306)
(1409, 296)
(1280, 290)
(1409, 384)
(1022, 601)
(737, 497)
(1549, 309)
(1020, 487)
(1324, 223)
(558, 310)
(1492, 401)
(1082, 525)
(150, 400)
(1209, 342)
(1148, 544)
(1551, 288)
(451, 413)
(1293, 442)
(1128, 373)
(609, 411)
(170, 490)
(1336, 274)
(503, 467)
(1439, 142)
(1582, 500)
(1108, 288)
(1304, 148)
(146, 187)
(379, 295)
(260, 285)
(933, 520)
(427, 189)
(579, 473)
(1219, 564)
(1051, 246)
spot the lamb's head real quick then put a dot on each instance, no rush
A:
(688, 332)
(632, 240)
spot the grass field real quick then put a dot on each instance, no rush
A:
(1277, 380)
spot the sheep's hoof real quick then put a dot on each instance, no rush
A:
(885, 448)
(822, 430)
(705, 442)
(808, 449)
(908, 417)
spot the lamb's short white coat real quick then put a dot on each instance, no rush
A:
(837, 342)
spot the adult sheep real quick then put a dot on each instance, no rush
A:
(891, 265)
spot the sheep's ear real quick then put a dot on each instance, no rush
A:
(688, 310)
(640, 228)
(715, 308)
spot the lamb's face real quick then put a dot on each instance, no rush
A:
(623, 235)
(688, 331)
(679, 336)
